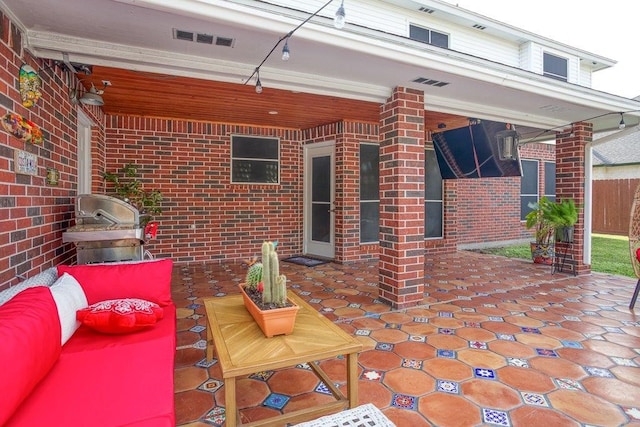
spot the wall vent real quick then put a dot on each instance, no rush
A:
(430, 82)
(479, 27)
(426, 10)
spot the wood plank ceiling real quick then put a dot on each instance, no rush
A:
(157, 95)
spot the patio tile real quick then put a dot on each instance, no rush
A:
(420, 376)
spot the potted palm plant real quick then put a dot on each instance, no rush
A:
(543, 231)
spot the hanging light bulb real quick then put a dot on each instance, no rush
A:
(339, 19)
(622, 125)
(285, 50)
(258, 83)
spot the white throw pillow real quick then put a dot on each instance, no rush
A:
(69, 298)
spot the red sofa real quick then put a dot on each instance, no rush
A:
(59, 372)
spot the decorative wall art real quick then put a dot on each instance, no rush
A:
(53, 176)
(26, 163)
(22, 128)
(30, 83)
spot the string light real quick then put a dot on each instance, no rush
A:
(339, 19)
(258, 83)
(338, 22)
(285, 50)
(622, 125)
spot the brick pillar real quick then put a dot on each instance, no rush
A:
(570, 180)
(401, 266)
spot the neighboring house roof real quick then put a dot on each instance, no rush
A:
(624, 150)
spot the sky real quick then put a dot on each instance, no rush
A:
(608, 29)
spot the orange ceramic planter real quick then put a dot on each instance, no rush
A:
(277, 321)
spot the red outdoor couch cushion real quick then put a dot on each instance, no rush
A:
(149, 280)
(108, 380)
(30, 343)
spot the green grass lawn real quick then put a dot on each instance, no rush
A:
(609, 254)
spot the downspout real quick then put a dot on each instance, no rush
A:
(588, 198)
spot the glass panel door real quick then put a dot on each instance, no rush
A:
(319, 196)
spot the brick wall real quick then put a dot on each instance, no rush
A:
(33, 214)
(570, 173)
(401, 264)
(489, 208)
(347, 136)
(205, 217)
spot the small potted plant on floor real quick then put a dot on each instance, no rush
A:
(543, 231)
(265, 294)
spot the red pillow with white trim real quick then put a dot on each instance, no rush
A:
(120, 316)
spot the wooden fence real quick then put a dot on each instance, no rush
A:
(612, 201)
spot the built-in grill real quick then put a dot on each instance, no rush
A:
(107, 230)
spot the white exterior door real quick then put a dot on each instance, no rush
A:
(319, 188)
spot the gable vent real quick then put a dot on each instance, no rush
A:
(479, 27)
(430, 82)
(426, 10)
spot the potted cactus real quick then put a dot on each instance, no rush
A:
(265, 294)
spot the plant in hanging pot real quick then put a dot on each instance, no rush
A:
(265, 294)
(563, 215)
(538, 218)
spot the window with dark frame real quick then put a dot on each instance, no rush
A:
(255, 160)
(428, 36)
(555, 67)
(528, 186)
(369, 193)
(550, 180)
(433, 197)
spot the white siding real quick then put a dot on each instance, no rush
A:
(381, 16)
(584, 76)
(616, 172)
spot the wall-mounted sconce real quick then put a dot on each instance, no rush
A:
(92, 96)
(441, 125)
(508, 141)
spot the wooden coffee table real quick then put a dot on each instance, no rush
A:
(242, 349)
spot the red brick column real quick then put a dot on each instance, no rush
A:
(570, 180)
(401, 265)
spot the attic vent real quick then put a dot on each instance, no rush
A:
(430, 82)
(204, 38)
(426, 10)
(479, 27)
(182, 35)
(224, 41)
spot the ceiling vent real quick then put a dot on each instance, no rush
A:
(479, 27)
(426, 10)
(192, 36)
(430, 82)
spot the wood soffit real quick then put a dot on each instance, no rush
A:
(156, 95)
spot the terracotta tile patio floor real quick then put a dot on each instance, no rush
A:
(496, 342)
